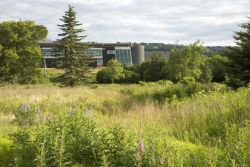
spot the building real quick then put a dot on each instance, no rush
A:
(100, 53)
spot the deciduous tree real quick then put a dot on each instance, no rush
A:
(155, 69)
(115, 69)
(20, 53)
(186, 62)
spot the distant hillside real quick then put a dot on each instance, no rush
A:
(211, 50)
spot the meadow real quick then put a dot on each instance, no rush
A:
(145, 124)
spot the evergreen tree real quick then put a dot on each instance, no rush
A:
(239, 58)
(74, 50)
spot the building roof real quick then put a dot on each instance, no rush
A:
(91, 44)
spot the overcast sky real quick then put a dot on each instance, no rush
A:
(167, 21)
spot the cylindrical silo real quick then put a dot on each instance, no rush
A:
(138, 54)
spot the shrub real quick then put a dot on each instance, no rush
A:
(237, 144)
(6, 151)
(130, 77)
(187, 81)
(103, 76)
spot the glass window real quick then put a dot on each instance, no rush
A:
(123, 55)
(99, 62)
(94, 52)
(111, 52)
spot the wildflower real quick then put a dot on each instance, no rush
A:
(90, 107)
(86, 111)
(141, 146)
(24, 107)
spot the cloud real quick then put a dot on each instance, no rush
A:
(166, 21)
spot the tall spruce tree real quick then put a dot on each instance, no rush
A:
(74, 50)
(239, 58)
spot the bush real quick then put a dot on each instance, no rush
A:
(130, 77)
(187, 81)
(165, 90)
(103, 76)
(73, 138)
(6, 152)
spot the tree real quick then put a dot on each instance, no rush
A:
(103, 76)
(155, 69)
(113, 72)
(206, 73)
(217, 64)
(115, 69)
(20, 53)
(186, 62)
(239, 58)
(75, 59)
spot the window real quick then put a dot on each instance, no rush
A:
(94, 52)
(47, 52)
(111, 52)
(123, 55)
(99, 62)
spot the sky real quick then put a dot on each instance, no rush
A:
(154, 21)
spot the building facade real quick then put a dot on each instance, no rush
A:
(100, 53)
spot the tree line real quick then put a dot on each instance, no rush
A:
(20, 58)
(188, 61)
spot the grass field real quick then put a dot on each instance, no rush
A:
(149, 124)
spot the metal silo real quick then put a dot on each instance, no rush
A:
(138, 54)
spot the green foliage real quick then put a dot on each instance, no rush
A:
(238, 144)
(154, 70)
(202, 125)
(103, 76)
(186, 62)
(113, 72)
(239, 58)
(187, 81)
(75, 61)
(20, 54)
(73, 139)
(109, 106)
(119, 147)
(165, 91)
(6, 151)
(25, 115)
(130, 77)
(206, 73)
(24, 149)
(217, 63)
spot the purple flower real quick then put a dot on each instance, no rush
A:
(86, 111)
(24, 107)
(141, 146)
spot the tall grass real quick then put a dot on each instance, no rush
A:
(125, 125)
